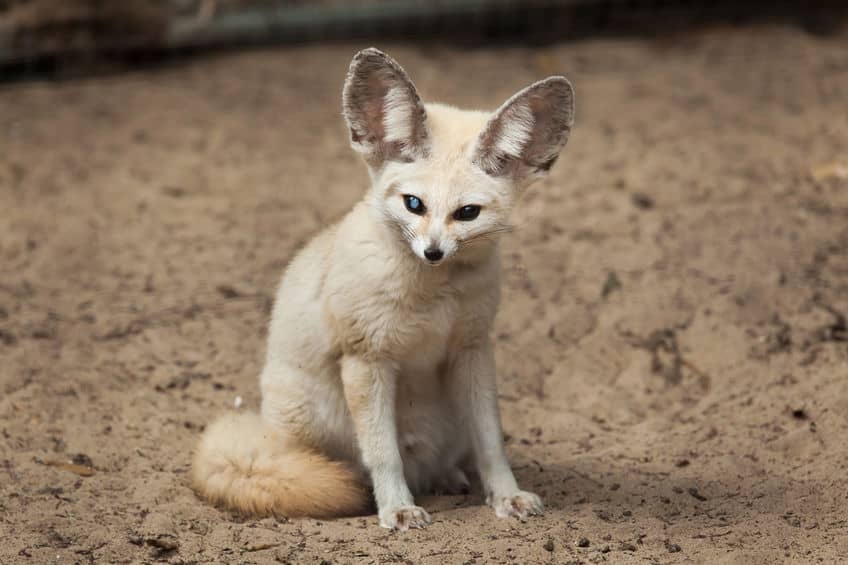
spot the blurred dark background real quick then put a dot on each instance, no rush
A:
(69, 37)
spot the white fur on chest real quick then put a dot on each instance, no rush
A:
(428, 332)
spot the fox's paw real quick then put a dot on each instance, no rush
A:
(519, 505)
(404, 518)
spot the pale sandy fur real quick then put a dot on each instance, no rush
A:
(379, 368)
(242, 463)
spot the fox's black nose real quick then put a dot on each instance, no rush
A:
(433, 254)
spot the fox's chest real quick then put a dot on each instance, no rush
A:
(410, 322)
(425, 333)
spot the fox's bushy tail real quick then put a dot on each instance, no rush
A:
(242, 464)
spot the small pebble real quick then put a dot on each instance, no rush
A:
(165, 542)
(626, 546)
(642, 201)
(693, 492)
(583, 542)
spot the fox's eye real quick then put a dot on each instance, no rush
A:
(467, 213)
(414, 204)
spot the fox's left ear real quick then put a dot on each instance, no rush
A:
(385, 115)
(525, 136)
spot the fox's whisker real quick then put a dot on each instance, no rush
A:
(486, 235)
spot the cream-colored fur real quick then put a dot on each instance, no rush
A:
(380, 368)
(244, 464)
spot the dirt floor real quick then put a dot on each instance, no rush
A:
(672, 345)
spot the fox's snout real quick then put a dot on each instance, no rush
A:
(434, 241)
(434, 250)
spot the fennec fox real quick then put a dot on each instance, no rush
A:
(380, 368)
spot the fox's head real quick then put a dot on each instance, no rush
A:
(444, 178)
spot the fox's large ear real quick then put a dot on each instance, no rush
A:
(385, 115)
(525, 136)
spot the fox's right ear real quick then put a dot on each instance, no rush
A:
(383, 111)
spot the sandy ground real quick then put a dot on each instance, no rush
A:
(672, 342)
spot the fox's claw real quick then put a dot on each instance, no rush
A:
(520, 505)
(404, 518)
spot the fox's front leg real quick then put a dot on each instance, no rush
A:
(476, 397)
(370, 388)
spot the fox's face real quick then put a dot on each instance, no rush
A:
(446, 179)
(442, 207)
